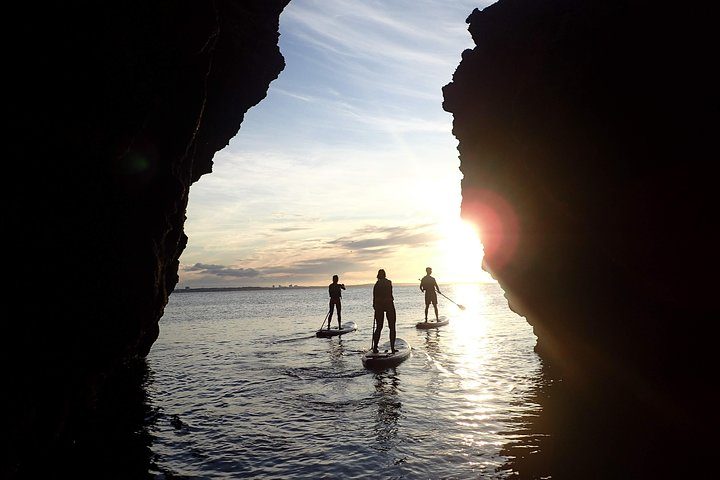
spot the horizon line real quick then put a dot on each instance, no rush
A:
(278, 287)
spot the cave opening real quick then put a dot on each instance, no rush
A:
(586, 118)
(348, 165)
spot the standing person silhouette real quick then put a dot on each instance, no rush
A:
(334, 289)
(383, 304)
(430, 286)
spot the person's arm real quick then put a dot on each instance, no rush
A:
(436, 286)
(374, 291)
(390, 288)
(342, 285)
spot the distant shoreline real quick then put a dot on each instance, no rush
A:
(281, 287)
(233, 289)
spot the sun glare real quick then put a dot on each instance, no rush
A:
(460, 252)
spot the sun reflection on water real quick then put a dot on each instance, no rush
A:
(467, 390)
(491, 372)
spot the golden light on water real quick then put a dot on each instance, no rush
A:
(472, 320)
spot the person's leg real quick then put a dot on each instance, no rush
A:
(391, 325)
(339, 307)
(427, 305)
(435, 307)
(332, 307)
(378, 328)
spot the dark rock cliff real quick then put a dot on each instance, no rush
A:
(116, 108)
(585, 138)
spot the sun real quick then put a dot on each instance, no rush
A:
(460, 252)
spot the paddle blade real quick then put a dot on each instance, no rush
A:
(461, 307)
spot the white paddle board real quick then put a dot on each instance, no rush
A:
(431, 323)
(385, 358)
(346, 327)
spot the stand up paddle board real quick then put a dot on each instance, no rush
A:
(432, 323)
(347, 327)
(385, 358)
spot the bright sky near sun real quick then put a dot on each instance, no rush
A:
(349, 164)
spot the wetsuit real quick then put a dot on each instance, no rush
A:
(383, 305)
(334, 289)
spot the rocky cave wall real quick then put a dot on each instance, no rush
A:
(116, 109)
(585, 138)
(584, 133)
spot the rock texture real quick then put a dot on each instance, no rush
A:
(116, 109)
(585, 138)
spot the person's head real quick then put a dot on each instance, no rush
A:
(428, 270)
(335, 279)
(381, 273)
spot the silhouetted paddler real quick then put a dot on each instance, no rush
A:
(431, 289)
(383, 305)
(334, 289)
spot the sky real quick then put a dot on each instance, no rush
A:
(349, 165)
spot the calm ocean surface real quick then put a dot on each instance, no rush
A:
(243, 388)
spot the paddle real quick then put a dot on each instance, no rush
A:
(326, 317)
(459, 306)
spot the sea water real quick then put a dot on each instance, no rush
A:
(244, 388)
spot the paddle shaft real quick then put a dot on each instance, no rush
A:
(326, 317)
(460, 306)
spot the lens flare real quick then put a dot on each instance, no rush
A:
(501, 228)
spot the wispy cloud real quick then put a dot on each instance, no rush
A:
(304, 98)
(379, 30)
(222, 271)
(290, 229)
(375, 237)
(318, 266)
(352, 133)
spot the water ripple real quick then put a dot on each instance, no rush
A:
(236, 395)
